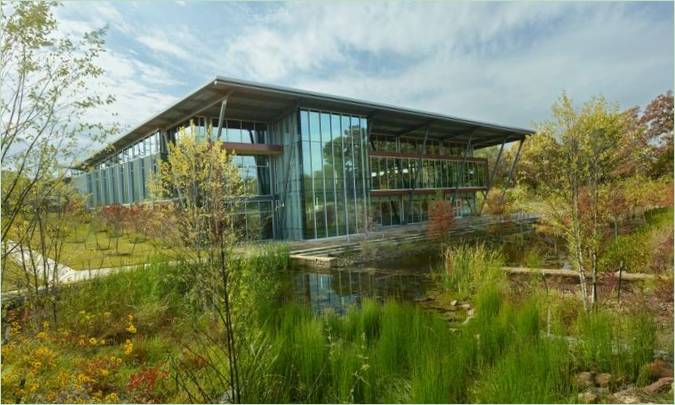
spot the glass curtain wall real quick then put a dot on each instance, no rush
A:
(394, 210)
(334, 167)
(388, 173)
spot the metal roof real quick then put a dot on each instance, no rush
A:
(262, 102)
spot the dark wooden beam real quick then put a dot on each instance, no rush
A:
(252, 148)
(413, 155)
(422, 191)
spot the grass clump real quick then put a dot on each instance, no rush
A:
(620, 344)
(467, 268)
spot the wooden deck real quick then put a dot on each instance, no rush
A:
(324, 253)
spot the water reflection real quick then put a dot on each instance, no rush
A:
(339, 289)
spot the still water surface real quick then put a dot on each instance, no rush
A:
(338, 289)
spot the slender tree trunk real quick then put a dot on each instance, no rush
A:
(620, 280)
(594, 264)
(231, 346)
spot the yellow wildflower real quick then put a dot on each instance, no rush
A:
(104, 372)
(81, 342)
(128, 347)
(45, 325)
(112, 397)
(42, 335)
(131, 328)
(36, 365)
(93, 341)
(83, 379)
(62, 378)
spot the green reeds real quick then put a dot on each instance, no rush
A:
(620, 344)
(528, 373)
(468, 267)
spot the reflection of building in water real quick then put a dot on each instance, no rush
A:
(341, 289)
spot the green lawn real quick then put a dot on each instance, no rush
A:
(88, 250)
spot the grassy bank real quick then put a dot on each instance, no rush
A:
(115, 338)
(397, 352)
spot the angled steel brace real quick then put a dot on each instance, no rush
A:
(221, 116)
(513, 166)
(492, 177)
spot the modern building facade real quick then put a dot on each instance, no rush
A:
(315, 165)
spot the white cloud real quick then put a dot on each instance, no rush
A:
(494, 62)
(498, 62)
(158, 42)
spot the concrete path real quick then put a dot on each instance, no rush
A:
(57, 273)
(574, 274)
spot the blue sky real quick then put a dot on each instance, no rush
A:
(498, 62)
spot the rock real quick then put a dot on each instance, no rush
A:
(465, 306)
(628, 396)
(453, 303)
(660, 369)
(661, 385)
(587, 398)
(470, 313)
(584, 379)
(603, 380)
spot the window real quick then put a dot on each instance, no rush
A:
(334, 171)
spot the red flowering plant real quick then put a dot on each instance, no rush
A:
(145, 385)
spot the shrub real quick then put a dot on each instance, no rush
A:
(441, 219)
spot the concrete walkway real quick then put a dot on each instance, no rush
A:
(57, 273)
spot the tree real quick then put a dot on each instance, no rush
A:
(207, 192)
(581, 161)
(657, 121)
(46, 99)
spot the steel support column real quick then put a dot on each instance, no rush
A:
(461, 168)
(423, 152)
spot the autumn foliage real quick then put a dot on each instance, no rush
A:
(441, 218)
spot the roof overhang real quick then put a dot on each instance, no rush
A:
(262, 102)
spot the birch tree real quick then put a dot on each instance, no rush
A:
(581, 181)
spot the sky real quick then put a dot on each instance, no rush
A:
(500, 62)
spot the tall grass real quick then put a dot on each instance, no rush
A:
(467, 268)
(391, 352)
(397, 352)
(528, 373)
(618, 344)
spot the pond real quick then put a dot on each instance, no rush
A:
(338, 289)
(405, 277)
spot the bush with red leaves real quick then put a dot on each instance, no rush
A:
(441, 219)
(143, 386)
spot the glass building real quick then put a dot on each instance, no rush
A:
(314, 165)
